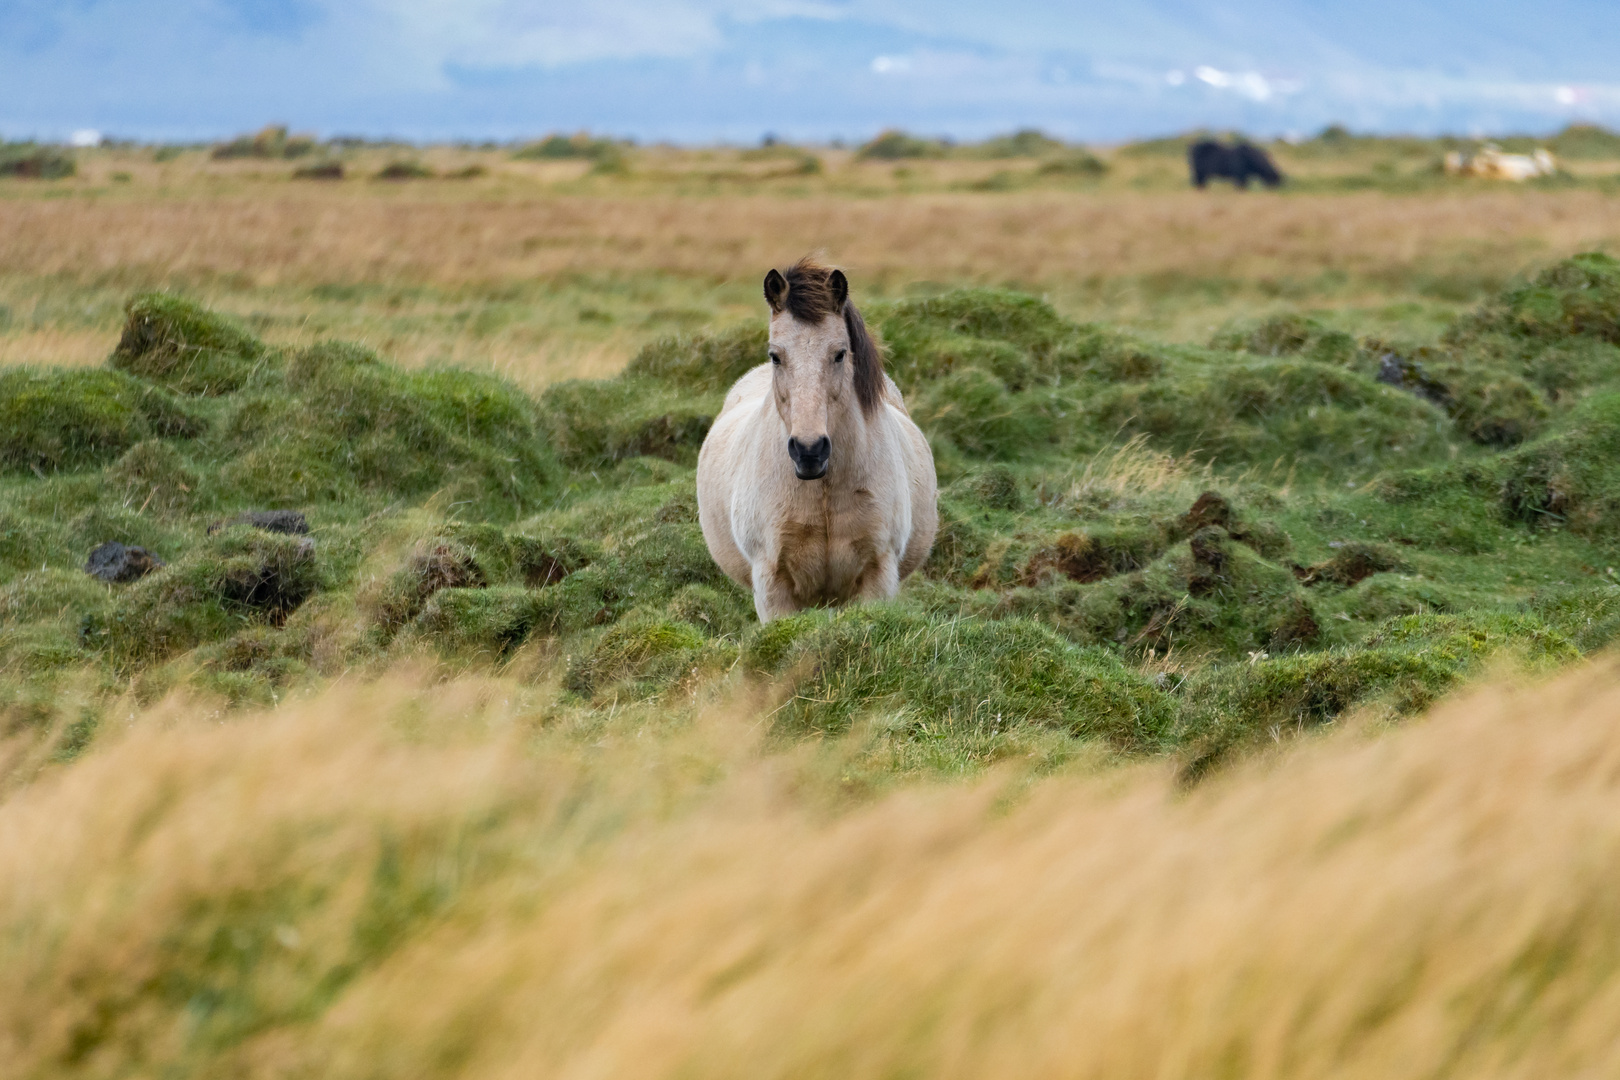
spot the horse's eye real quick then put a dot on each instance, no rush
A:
(839, 359)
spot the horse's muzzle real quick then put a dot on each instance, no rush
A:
(810, 459)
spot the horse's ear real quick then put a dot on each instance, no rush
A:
(839, 284)
(775, 291)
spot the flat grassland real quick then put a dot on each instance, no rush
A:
(1252, 715)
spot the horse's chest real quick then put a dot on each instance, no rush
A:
(825, 555)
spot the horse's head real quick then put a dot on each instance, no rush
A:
(826, 372)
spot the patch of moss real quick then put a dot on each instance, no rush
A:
(1289, 334)
(718, 612)
(973, 411)
(187, 348)
(67, 418)
(1579, 296)
(238, 578)
(637, 657)
(491, 621)
(704, 362)
(353, 424)
(1588, 616)
(1407, 663)
(152, 474)
(1302, 415)
(1569, 477)
(593, 424)
(935, 676)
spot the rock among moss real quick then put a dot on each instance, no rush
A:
(239, 578)
(186, 347)
(117, 564)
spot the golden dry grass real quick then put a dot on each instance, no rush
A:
(56, 346)
(390, 882)
(1035, 238)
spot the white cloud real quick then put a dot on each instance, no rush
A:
(517, 33)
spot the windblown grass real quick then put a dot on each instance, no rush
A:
(407, 880)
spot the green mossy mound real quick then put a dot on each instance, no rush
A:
(239, 578)
(1314, 418)
(1149, 546)
(1571, 478)
(704, 362)
(932, 678)
(185, 347)
(592, 424)
(640, 656)
(57, 419)
(486, 621)
(1407, 664)
(1289, 335)
(1578, 297)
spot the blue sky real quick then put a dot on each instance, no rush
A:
(707, 70)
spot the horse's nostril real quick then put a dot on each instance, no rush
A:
(809, 456)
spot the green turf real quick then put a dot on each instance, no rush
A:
(1145, 547)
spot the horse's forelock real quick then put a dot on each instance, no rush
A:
(811, 298)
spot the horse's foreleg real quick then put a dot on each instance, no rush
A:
(772, 596)
(881, 580)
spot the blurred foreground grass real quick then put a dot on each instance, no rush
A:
(423, 878)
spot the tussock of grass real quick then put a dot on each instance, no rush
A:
(935, 679)
(237, 578)
(182, 346)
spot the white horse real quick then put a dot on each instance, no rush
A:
(814, 486)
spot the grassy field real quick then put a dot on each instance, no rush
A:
(494, 773)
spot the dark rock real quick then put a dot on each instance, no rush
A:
(286, 522)
(1409, 375)
(117, 563)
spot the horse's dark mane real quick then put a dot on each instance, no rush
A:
(812, 295)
